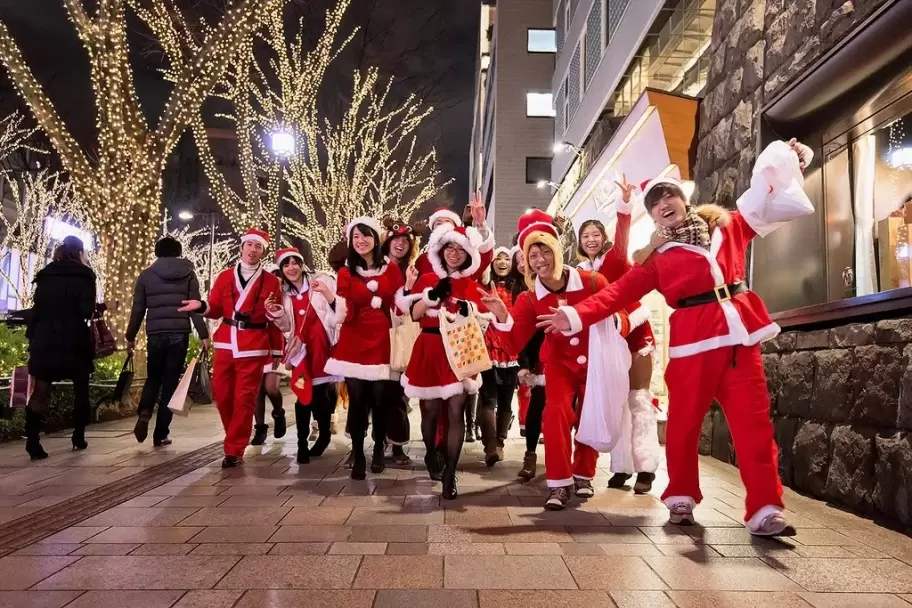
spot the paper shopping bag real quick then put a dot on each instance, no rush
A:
(403, 335)
(464, 344)
(179, 403)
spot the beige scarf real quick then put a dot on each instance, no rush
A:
(692, 231)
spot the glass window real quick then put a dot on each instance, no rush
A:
(542, 41)
(540, 104)
(538, 168)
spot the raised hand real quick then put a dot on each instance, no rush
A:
(626, 188)
(478, 209)
(411, 277)
(494, 304)
(190, 306)
(555, 322)
(805, 154)
(320, 288)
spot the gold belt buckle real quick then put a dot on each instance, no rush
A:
(723, 294)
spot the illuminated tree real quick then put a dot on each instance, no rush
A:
(195, 245)
(119, 175)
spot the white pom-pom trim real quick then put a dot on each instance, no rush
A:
(376, 302)
(373, 285)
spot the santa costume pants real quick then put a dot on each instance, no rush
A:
(235, 384)
(565, 458)
(734, 377)
(637, 450)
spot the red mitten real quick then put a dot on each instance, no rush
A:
(622, 322)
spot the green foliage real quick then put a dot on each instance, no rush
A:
(59, 413)
(108, 369)
(13, 348)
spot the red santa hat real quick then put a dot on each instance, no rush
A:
(649, 184)
(255, 234)
(467, 238)
(445, 214)
(288, 252)
(537, 228)
(364, 221)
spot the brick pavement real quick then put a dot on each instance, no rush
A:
(274, 534)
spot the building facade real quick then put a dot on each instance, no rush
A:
(512, 135)
(835, 74)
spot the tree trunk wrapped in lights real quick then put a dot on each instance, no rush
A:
(119, 177)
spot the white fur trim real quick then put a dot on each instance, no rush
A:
(376, 302)
(487, 239)
(660, 180)
(645, 448)
(446, 234)
(367, 221)
(288, 254)
(372, 285)
(638, 317)
(337, 317)
(624, 208)
(673, 500)
(431, 392)
(574, 283)
(503, 250)
(559, 483)
(374, 272)
(576, 323)
(404, 302)
(444, 214)
(472, 385)
(426, 298)
(257, 238)
(757, 518)
(505, 326)
(347, 369)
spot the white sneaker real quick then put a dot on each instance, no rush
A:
(773, 525)
(681, 514)
(583, 488)
(558, 499)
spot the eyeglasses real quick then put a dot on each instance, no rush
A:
(453, 248)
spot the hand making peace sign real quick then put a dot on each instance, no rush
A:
(626, 188)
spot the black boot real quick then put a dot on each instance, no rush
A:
(450, 491)
(359, 466)
(470, 407)
(32, 431)
(618, 480)
(504, 422)
(79, 442)
(259, 434)
(302, 424)
(487, 418)
(141, 430)
(279, 424)
(378, 461)
(324, 418)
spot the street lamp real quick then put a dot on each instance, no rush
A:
(189, 215)
(545, 183)
(565, 146)
(282, 144)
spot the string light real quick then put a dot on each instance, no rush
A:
(120, 183)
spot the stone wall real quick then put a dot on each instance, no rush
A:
(841, 403)
(758, 47)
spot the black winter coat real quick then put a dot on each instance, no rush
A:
(158, 294)
(60, 339)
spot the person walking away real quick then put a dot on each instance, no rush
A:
(60, 340)
(455, 257)
(270, 389)
(697, 263)
(365, 290)
(157, 295)
(400, 245)
(310, 302)
(638, 451)
(248, 300)
(498, 383)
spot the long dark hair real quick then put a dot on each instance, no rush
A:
(281, 272)
(462, 267)
(354, 259)
(515, 280)
(69, 250)
(406, 260)
(606, 242)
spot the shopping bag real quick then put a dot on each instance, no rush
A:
(607, 387)
(403, 335)
(464, 344)
(179, 403)
(20, 387)
(103, 341)
(776, 194)
(200, 390)
(124, 380)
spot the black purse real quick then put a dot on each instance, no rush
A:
(124, 381)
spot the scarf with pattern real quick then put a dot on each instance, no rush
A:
(692, 231)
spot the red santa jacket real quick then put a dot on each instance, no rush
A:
(228, 296)
(500, 356)
(363, 302)
(680, 271)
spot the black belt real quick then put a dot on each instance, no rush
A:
(431, 330)
(244, 324)
(721, 293)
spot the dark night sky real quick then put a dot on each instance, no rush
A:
(427, 45)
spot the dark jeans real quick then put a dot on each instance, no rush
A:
(165, 365)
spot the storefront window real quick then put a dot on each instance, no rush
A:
(882, 205)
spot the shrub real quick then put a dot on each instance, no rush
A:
(13, 348)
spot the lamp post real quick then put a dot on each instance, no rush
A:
(282, 144)
(565, 146)
(545, 183)
(189, 215)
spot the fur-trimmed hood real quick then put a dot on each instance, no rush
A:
(714, 215)
(467, 238)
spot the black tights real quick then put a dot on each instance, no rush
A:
(82, 408)
(365, 398)
(431, 410)
(321, 407)
(275, 398)
(534, 418)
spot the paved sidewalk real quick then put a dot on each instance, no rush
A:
(279, 535)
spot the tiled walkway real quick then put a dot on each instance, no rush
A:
(279, 535)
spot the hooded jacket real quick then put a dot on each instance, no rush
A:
(158, 294)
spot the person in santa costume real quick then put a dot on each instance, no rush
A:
(366, 288)
(454, 255)
(400, 245)
(697, 264)
(576, 368)
(498, 383)
(269, 389)
(248, 300)
(310, 302)
(639, 451)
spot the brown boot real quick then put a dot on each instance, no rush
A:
(527, 472)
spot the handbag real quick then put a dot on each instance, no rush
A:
(124, 380)
(403, 335)
(103, 342)
(20, 387)
(179, 403)
(200, 390)
(464, 344)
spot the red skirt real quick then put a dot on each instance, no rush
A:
(429, 376)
